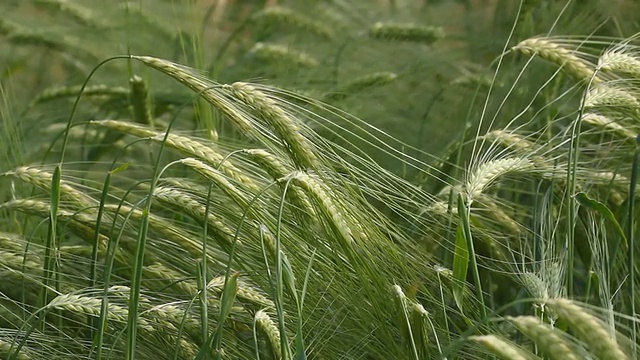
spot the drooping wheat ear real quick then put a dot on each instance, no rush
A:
(198, 83)
(359, 84)
(278, 15)
(91, 306)
(159, 271)
(578, 68)
(79, 13)
(319, 193)
(217, 178)
(549, 340)
(42, 179)
(246, 292)
(275, 53)
(610, 95)
(588, 328)
(73, 91)
(509, 140)
(490, 171)
(183, 201)
(287, 128)
(278, 170)
(270, 329)
(184, 145)
(173, 317)
(620, 58)
(141, 101)
(8, 349)
(503, 348)
(406, 32)
(15, 261)
(609, 125)
(79, 223)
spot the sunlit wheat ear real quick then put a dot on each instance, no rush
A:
(17, 261)
(286, 127)
(355, 86)
(610, 95)
(80, 224)
(270, 329)
(219, 179)
(503, 348)
(184, 145)
(588, 328)
(319, 194)
(182, 201)
(275, 53)
(198, 83)
(278, 170)
(246, 292)
(490, 171)
(549, 341)
(42, 179)
(623, 58)
(86, 305)
(609, 125)
(406, 32)
(548, 50)
(7, 348)
(278, 15)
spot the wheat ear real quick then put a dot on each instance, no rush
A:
(588, 328)
(270, 329)
(490, 171)
(558, 55)
(287, 128)
(184, 145)
(503, 348)
(549, 340)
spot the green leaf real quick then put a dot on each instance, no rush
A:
(460, 262)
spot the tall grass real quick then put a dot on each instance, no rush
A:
(328, 180)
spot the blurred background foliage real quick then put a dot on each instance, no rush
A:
(423, 92)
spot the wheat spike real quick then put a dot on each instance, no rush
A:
(319, 194)
(549, 340)
(406, 32)
(490, 171)
(288, 129)
(503, 348)
(280, 15)
(184, 145)
(275, 53)
(558, 55)
(589, 329)
(270, 328)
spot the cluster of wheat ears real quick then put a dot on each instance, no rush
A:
(272, 235)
